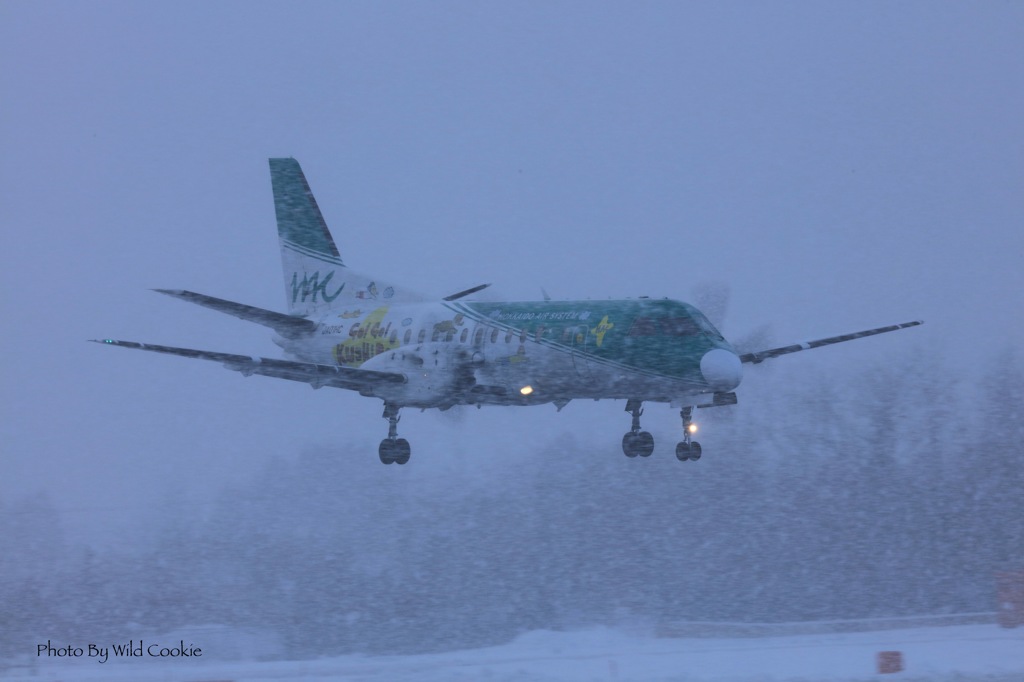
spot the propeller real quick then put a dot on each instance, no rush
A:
(712, 298)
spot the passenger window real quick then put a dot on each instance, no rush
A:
(508, 337)
(462, 337)
(422, 336)
(478, 338)
(393, 337)
(436, 335)
(450, 335)
(494, 335)
(540, 332)
(643, 326)
(522, 336)
(408, 335)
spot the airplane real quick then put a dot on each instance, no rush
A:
(356, 332)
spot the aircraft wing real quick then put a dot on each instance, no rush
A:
(362, 380)
(762, 355)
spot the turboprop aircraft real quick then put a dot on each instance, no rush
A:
(351, 331)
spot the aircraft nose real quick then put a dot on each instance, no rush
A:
(721, 369)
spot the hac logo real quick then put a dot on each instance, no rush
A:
(311, 285)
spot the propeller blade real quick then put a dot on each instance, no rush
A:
(712, 299)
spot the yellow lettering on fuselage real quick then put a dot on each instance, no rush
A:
(367, 339)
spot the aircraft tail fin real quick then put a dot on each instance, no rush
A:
(300, 224)
(315, 277)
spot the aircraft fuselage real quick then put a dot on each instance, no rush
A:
(527, 353)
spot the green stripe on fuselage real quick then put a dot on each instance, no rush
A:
(662, 337)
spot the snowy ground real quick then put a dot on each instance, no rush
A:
(961, 653)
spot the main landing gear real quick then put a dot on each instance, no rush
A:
(637, 442)
(393, 448)
(688, 449)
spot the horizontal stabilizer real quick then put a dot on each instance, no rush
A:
(467, 292)
(285, 325)
(762, 355)
(362, 380)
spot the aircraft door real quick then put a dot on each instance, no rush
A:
(579, 351)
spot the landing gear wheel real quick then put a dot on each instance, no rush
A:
(644, 444)
(688, 449)
(630, 444)
(393, 449)
(403, 451)
(386, 451)
(636, 443)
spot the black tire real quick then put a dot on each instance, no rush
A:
(683, 451)
(645, 444)
(402, 451)
(694, 451)
(629, 444)
(386, 451)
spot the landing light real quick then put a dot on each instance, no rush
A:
(526, 390)
(692, 428)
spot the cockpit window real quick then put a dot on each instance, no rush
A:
(679, 326)
(706, 325)
(643, 326)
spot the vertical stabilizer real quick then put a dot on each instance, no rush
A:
(315, 278)
(300, 224)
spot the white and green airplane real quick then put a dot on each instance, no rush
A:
(347, 330)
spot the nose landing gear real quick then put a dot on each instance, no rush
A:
(393, 449)
(636, 442)
(688, 449)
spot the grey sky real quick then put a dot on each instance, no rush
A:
(839, 165)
